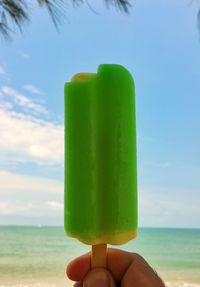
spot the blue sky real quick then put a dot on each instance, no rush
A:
(159, 43)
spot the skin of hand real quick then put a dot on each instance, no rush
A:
(124, 269)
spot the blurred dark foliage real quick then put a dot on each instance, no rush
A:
(198, 21)
(15, 13)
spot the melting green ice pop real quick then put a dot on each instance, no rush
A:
(100, 157)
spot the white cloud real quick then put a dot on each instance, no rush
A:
(23, 101)
(145, 139)
(32, 89)
(3, 73)
(164, 164)
(24, 136)
(29, 196)
(8, 208)
(14, 182)
(168, 207)
(23, 195)
(28, 139)
(55, 205)
(24, 55)
(5, 105)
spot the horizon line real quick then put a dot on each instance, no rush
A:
(51, 225)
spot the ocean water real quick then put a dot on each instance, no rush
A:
(37, 256)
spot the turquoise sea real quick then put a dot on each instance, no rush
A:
(37, 256)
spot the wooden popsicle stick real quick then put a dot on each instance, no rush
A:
(99, 256)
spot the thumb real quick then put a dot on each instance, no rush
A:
(99, 277)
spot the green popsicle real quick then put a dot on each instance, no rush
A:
(100, 157)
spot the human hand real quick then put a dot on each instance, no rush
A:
(124, 269)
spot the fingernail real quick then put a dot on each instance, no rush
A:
(98, 278)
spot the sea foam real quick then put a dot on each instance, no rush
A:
(181, 284)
